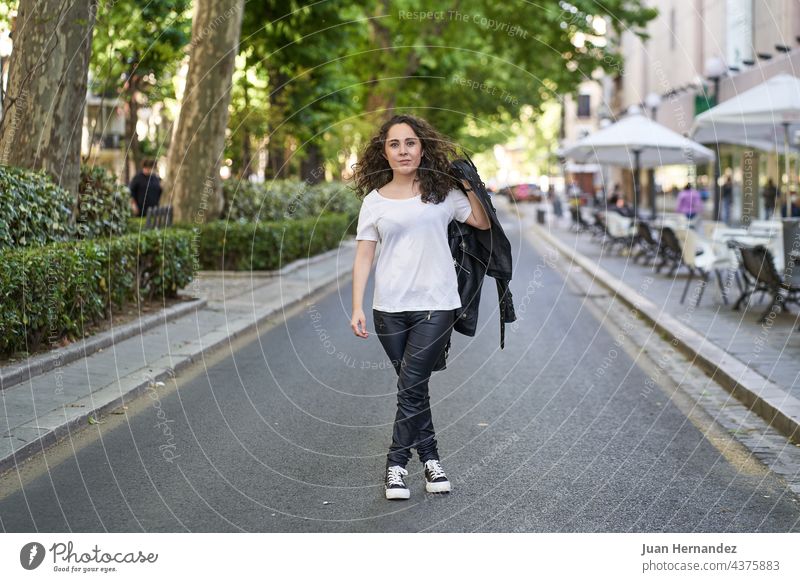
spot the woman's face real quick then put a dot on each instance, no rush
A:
(402, 149)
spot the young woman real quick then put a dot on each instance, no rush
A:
(409, 198)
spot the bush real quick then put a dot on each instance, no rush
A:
(54, 291)
(134, 224)
(33, 210)
(286, 200)
(103, 207)
(260, 246)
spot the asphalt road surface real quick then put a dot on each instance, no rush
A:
(289, 434)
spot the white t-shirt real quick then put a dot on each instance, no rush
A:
(415, 269)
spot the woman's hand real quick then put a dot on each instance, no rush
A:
(359, 323)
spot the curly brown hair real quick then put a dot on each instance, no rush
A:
(372, 171)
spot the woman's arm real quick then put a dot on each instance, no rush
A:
(478, 218)
(362, 265)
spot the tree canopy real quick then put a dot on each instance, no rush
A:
(327, 72)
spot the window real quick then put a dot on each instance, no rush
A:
(584, 106)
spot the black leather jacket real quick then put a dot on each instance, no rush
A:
(477, 253)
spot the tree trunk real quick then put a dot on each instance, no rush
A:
(199, 140)
(43, 109)
(247, 151)
(277, 159)
(247, 156)
(312, 170)
(379, 104)
(132, 147)
(276, 149)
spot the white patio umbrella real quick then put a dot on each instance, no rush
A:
(761, 117)
(638, 142)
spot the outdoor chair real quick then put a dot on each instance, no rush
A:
(158, 217)
(646, 242)
(759, 266)
(670, 251)
(578, 223)
(711, 226)
(742, 278)
(597, 227)
(700, 259)
(619, 230)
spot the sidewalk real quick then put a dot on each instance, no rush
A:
(758, 363)
(64, 390)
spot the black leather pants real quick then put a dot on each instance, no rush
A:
(413, 341)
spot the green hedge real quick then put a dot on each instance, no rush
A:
(264, 246)
(286, 200)
(103, 205)
(50, 292)
(33, 210)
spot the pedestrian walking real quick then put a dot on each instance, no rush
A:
(409, 198)
(690, 203)
(555, 199)
(727, 200)
(769, 194)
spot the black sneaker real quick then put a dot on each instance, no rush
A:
(395, 486)
(435, 479)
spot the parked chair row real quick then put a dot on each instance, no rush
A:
(751, 264)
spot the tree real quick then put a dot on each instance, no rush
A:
(475, 64)
(199, 140)
(298, 51)
(43, 108)
(471, 67)
(136, 51)
(250, 111)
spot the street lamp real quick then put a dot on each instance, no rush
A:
(652, 101)
(715, 69)
(6, 46)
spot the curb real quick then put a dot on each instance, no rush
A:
(780, 409)
(42, 363)
(55, 425)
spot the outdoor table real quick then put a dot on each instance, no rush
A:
(726, 233)
(719, 242)
(760, 232)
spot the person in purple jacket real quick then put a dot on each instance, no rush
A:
(690, 204)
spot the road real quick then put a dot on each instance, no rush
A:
(555, 433)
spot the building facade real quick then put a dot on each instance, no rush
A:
(699, 52)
